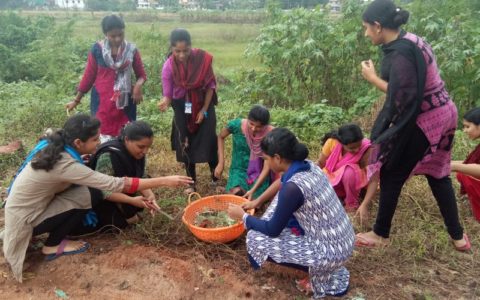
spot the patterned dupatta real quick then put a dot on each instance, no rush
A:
(254, 141)
(255, 164)
(122, 65)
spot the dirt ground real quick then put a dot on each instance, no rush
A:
(115, 269)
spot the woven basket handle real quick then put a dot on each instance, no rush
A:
(191, 195)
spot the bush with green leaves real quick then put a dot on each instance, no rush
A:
(453, 30)
(16, 38)
(309, 55)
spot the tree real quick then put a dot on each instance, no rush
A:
(169, 3)
(11, 4)
(111, 5)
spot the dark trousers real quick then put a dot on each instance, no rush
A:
(392, 181)
(192, 172)
(109, 214)
(60, 226)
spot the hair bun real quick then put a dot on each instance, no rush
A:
(300, 151)
(401, 17)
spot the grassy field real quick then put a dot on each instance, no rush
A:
(227, 42)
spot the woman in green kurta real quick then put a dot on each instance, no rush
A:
(248, 174)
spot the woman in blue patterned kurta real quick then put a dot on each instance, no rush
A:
(322, 239)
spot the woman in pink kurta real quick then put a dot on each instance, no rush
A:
(344, 158)
(108, 75)
(413, 133)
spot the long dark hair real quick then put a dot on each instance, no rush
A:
(473, 116)
(346, 134)
(283, 142)
(386, 13)
(136, 131)
(79, 126)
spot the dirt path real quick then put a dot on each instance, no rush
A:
(114, 270)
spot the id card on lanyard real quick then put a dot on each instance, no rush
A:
(188, 107)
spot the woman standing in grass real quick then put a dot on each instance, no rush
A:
(189, 87)
(50, 194)
(108, 75)
(468, 171)
(305, 194)
(248, 171)
(414, 131)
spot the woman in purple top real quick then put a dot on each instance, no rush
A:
(189, 87)
(414, 131)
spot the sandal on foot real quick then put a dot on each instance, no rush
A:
(465, 248)
(61, 252)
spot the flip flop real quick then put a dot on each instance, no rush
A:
(61, 252)
(465, 248)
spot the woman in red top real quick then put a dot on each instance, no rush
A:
(108, 74)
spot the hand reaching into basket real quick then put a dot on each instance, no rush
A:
(235, 212)
(251, 204)
(249, 194)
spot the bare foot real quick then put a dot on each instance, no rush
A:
(220, 190)
(70, 246)
(189, 190)
(133, 220)
(370, 239)
(460, 243)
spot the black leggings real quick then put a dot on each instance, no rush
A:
(392, 181)
(192, 172)
(60, 226)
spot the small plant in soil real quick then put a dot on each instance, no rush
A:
(210, 218)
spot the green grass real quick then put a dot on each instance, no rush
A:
(227, 42)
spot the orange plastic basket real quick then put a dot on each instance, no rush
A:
(218, 203)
